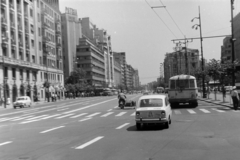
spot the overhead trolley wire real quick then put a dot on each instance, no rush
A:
(172, 18)
(161, 20)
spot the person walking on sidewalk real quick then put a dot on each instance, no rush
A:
(235, 98)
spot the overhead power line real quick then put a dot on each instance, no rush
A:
(161, 20)
(172, 19)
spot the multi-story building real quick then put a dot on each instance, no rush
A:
(101, 37)
(26, 27)
(180, 62)
(129, 77)
(135, 79)
(236, 32)
(71, 33)
(121, 58)
(117, 74)
(50, 37)
(226, 50)
(90, 58)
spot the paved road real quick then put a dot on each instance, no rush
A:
(95, 129)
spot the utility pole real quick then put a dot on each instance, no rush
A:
(232, 41)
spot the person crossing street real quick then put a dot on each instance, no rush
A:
(235, 98)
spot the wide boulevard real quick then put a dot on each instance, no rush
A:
(94, 128)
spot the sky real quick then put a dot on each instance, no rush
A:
(146, 34)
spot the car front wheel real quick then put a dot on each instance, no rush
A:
(167, 123)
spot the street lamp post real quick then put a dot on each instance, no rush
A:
(201, 39)
(232, 41)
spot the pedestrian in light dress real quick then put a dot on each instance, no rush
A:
(235, 98)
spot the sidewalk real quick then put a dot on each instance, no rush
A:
(218, 99)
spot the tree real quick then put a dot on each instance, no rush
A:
(77, 76)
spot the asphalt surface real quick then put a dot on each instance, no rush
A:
(95, 129)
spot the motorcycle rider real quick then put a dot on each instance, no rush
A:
(122, 97)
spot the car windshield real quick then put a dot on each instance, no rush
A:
(21, 98)
(153, 102)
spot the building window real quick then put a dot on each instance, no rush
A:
(20, 55)
(31, 12)
(40, 60)
(21, 74)
(5, 72)
(34, 76)
(33, 59)
(13, 73)
(27, 57)
(32, 41)
(28, 76)
(40, 46)
(39, 31)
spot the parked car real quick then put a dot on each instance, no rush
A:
(23, 101)
(153, 109)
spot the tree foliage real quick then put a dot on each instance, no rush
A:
(77, 76)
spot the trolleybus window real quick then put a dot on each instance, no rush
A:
(192, 85)
(182, 83)
(172, 84)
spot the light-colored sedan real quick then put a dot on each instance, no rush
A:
(153, 109)
(23, 101)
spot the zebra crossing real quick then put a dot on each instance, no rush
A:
(33, 118)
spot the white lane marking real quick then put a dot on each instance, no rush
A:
(88, 143)
(64, 116)
(115, 107)
(94, 114)
(107, 114)
(191, 111)
(17, 119)
(204, 110)
(85, 119)
(218, 110)
(122, 125)
(120, 114)
(4, 143)
(109, 110)
(29, 119)
(63, 109)
(52, 129)
(89, 106)
(7, 119)
(55, 115)
(133, 114)
(177, 112)
(78, 115)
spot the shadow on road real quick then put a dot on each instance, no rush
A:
(183, 106)
(149, 127)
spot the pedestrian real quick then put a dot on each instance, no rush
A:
(235, 98)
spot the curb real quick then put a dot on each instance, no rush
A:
(209, 101)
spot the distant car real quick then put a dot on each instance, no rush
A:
(23, 101)
(153, 109)
(146, 93)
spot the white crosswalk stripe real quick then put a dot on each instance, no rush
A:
(177, 112)
(55, 115)
(82, 114)
(191, 111)
(221, 111)
(107, 114)
(17, 119)
(94, 114)
(29, 119)
(64, 116)
(204, 110)
(120, 114)
(133, 114)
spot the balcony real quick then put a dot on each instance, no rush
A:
(13, 42)
(3, 2)
(19, 28)
(27, 46)
(19, 10)
(26, 30)
(46, 39)
(46, 25)
(59, 45)
(58, 21)
(58, 32)
(12, 24)
(4, 21)
(20, 44)
(11, 5)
